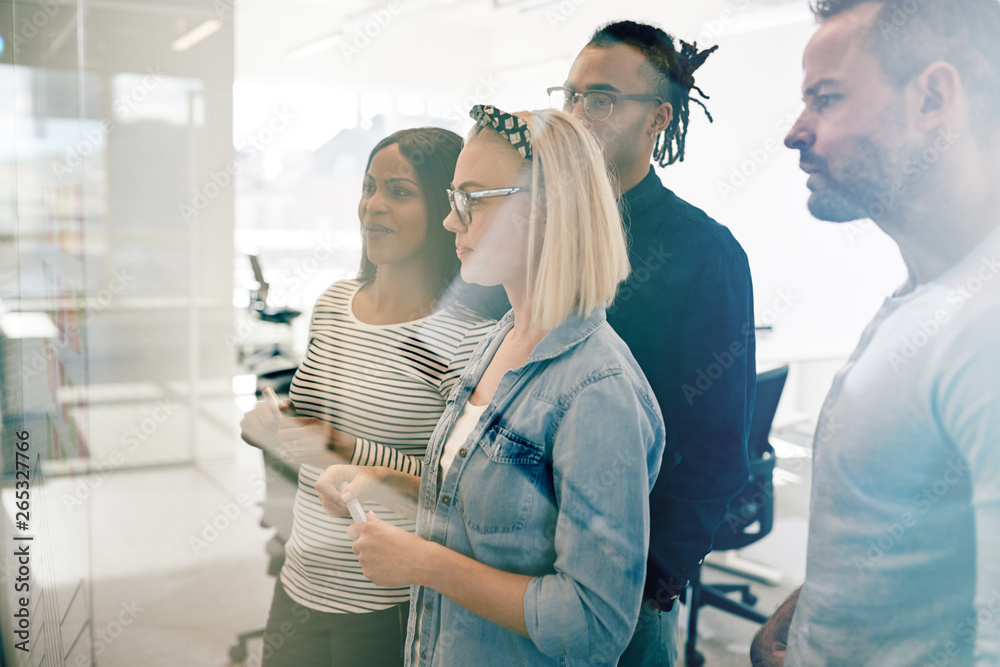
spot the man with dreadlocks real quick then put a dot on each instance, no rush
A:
(686, 311)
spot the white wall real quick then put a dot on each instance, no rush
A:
(834, 276)
(738, 170)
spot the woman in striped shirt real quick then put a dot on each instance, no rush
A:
(533, 508)
(382, 358)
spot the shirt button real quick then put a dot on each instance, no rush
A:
(427, 606)
(462, 453)
(446, 500)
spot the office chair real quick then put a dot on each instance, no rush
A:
(750, 516)
(266, 313)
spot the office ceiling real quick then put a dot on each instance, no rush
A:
(439, 45)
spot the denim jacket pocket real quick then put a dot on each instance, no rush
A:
(507, 468)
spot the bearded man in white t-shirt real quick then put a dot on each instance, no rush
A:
(902, 125)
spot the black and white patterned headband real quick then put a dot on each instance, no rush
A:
(512, 128)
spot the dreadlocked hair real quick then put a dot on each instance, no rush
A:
(674, 79)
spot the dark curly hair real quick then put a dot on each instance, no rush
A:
(909, 35)
(673, 79)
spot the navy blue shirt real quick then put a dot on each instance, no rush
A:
(686, 313)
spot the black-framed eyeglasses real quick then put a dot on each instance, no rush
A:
(461, 201)
(597, 104)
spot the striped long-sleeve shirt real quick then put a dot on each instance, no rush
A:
(387, 386)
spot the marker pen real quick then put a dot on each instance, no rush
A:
(357, 512)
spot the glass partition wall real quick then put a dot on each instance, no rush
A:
(116, 135)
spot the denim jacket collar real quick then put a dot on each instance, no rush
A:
(574, 329)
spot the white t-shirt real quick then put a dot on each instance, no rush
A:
(460, 433)
(904, 534)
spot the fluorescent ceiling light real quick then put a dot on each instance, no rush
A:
(316, 46)
(207, 28)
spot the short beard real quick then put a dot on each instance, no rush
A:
(833, 206)
(855, 195)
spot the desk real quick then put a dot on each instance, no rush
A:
(813, 357)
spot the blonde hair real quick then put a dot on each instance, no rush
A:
(584, 256)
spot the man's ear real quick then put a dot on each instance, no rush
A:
(661, 118)
(938, 89)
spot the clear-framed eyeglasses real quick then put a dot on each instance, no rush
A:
(597, 104)
(461, 201)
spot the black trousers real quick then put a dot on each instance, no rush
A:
(297, 636)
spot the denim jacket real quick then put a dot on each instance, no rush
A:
(553, 482)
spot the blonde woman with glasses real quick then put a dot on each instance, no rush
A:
(532, 513)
